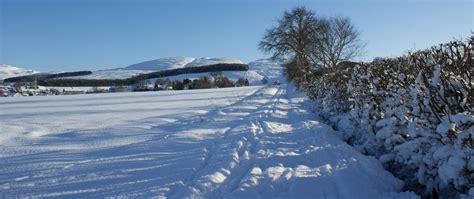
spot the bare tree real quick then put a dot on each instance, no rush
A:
(293, 38)
(311, 43)
(338, 41)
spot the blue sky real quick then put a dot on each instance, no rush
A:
(68, 35)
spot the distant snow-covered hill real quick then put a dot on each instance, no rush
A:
(210, 61)
(7, 71)
(162, 64)
(168, 63)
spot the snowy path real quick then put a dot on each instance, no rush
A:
(254, 142)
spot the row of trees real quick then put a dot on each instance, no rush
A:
(415, 113)
(217, 80)
(313, 45)
(54, 80)
(86, 82)
(42, 77)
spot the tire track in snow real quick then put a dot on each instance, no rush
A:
(244, 148)
(245, 166)
(303, 160)
(197, 181)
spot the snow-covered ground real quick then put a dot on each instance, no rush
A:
(247, 142)
(7, 71)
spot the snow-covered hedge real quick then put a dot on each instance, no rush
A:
(415, 113)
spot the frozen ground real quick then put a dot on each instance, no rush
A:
(250, 142)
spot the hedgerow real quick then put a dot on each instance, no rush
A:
(415, 113)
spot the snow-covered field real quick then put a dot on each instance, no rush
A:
(247, 142)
